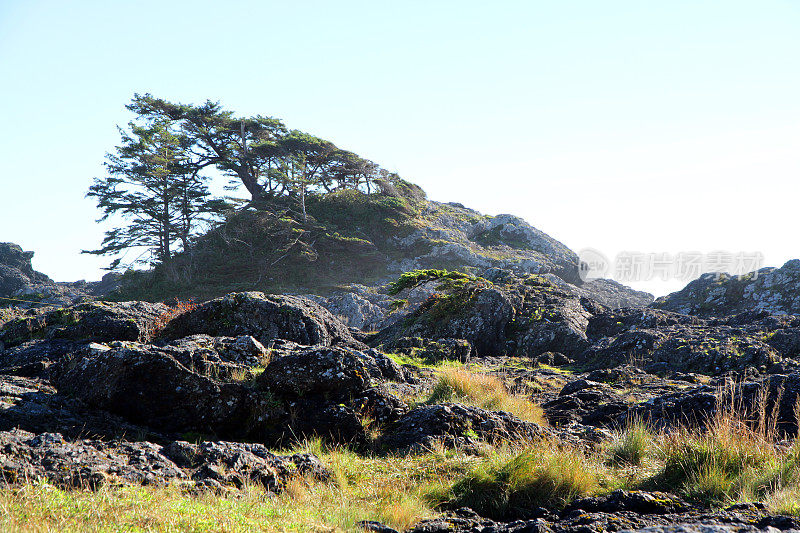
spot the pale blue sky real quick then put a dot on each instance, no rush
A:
(618, 125)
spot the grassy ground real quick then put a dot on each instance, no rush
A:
(390, 489)
(731, 460)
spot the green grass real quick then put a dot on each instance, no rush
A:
(631, 445)
(734, 459)
(388, 489)
(509, 483)
(422, 362)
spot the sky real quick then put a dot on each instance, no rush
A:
(617, 126)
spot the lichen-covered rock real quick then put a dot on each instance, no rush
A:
(337, 373)
(775, 290)
(34, 358)
(82, 464)
(87, 463)
(235, 464)
(91, 321)
(265, 317)
(502, 314)
(455, 425)
(331, 391)
(148, 385)
(660, 342)
(635, 501)
(35, 405)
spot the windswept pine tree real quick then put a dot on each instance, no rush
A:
(157, 189)
(155, 192)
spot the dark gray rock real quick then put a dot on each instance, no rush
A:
(265, 317)
(35, 405)
(503, 314)
(91, 464)
(91, 321)
(148, 385)
(455, 425)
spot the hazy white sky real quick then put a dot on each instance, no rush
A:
(622, 126)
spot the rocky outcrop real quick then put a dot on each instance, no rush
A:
(373, 309)
(148, 385)
(91, 464)
(502, 314)
(453, 234)
(35, 405)
(233, 387)
(774, 290)
(91, 321)
(265, 317)
(23, 287)
(662, 341)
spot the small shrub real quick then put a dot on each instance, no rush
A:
(176, 309)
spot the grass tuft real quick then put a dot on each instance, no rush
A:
(631, 445)
(486, 392)
(509, 483)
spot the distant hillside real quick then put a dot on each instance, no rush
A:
(351, 237)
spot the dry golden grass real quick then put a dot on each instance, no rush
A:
(485, 391)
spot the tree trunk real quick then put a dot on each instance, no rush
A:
(303, 201)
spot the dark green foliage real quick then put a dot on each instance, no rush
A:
(154, 189)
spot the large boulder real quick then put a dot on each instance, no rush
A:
(265, 317)
(35, 405)
(502, 314)
(775, 290)
(232, 388)
(91, 321)
(331, 392)
(335, 373)
(148, 385)
(456, 425)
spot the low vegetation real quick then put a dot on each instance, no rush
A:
(510, 481)
(732, 458)
(484, 391)
(632, 444)
(409, 280)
